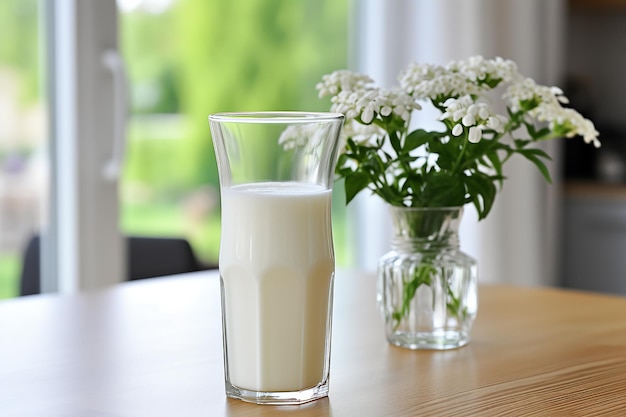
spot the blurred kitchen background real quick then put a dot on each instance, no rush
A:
(187, 58)
(594, 192)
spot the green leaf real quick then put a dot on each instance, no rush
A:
(534, 157)
(342, 161)
(441, 189)
(354, 184)
(536, 134)
(521, 143)
(395, 142)
(416, 139)
(537, 152)
(494, 158)
(483, 191)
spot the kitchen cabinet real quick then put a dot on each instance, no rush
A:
(594, 237)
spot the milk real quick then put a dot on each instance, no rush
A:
(277, 267)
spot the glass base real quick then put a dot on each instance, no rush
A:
(278, 397)
(438, 340)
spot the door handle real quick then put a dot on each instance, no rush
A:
(113, 61)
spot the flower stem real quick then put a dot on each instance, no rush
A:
(459, 158)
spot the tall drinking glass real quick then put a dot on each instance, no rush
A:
(276, 256)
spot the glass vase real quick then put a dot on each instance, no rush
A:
(427, 287)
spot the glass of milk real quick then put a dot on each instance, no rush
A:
(276, 256)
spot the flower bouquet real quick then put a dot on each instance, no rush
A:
(487, 112)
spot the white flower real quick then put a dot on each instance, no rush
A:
(496, 123)
(342, 80)
(477, 116)
(362, 134)
(367, 115)
(374, 103)
(430, 82)
(468, 120)
(301, 136)
(475, 134)
(477, 68)
(544, 104)
(290, 138)
(458, 78)
(456, 108)
(573, 123)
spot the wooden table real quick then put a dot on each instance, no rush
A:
(153, 348)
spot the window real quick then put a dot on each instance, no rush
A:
(185, 59)
(189, 58)
(23, 134)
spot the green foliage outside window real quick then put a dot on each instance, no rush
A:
(198, 57)
(202, 57)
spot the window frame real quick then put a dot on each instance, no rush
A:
(82, 245)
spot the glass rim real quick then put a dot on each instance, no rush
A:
(276, 117)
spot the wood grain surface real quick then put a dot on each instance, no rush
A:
(154, 348)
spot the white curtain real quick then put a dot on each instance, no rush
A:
(518, 242)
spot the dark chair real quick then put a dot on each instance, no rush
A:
(147, 257)
(150, 257)
(29, 280)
